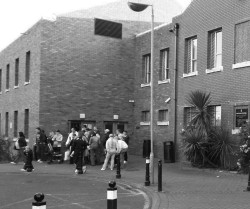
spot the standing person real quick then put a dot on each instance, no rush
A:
(126, 139)
(122, 147)
(57, 141)
(28, 160)
(111, 148)
(50, 147)
(105, 137)
(22, 144)
(41, 142)
(93, 148)
(69, 143)
(78, 147)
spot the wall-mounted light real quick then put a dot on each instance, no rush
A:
(82, 115)
(116, 117)
(131, 101)
(168, 100)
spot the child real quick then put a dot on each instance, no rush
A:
(28, 160)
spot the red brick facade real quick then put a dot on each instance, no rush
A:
(74, 72)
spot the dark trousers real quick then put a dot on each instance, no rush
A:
(78, 158)
(126, 156)
(41, 148)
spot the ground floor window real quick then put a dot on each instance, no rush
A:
(114, 125)
(26, 123)
(145, 116)
(78, 124)
(215, 115)
(189, 114)
(6, 124)
(241, 115)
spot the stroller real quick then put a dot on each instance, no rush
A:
(54, 154)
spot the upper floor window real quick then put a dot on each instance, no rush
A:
(163, 116)
(145, 116)
(146, 69)
(164, 65)
(191, 55)
(17, 72)
(242, 42)
(215, 49)
(8, 77)
(27, 67)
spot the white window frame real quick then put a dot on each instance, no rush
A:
(216, 54)
(193, 58)
(147, 69)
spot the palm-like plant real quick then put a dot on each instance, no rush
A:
(222, 148)
(201, 119)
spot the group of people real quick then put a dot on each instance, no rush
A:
(87, 146)
(83, 147)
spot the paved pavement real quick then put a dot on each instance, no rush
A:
(184, 187)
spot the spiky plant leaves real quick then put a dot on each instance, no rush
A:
(201, 120)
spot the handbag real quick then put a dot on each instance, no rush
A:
(67, 155)
(16, 145)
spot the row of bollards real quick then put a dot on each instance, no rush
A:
(111, 198)
(147, 178)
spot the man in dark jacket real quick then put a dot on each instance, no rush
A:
(41, 143)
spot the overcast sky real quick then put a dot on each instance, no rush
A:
(16, 16)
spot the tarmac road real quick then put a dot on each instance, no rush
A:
(64, 191)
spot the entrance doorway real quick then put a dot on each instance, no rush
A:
(77, 124)
(114, 125)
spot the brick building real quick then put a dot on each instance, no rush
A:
(68, 76)
(61, 75)
(212, 56)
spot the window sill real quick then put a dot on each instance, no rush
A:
(26, 83)
(145, 85)
(7, 90)
(190, 74)
(163, 123)
(214, 70)
(165, 81)
(16, 87)
(241, 65)
(145, 123)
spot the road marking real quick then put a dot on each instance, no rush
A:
(15, 203)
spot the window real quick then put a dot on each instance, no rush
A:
(145, 116)
(6, 124)
(146, 69)
(164, 65)
(215, 115)
(17, 72)
(15, 123)
(0, 124)
(8, 77)
(26, 123)
(163, 115)
(191, 55)
(215, 49)
(189, 113)
(0, 80)
(242, 42)
(241, 116)
(27, 67)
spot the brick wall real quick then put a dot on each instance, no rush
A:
(25, 96)
(228, 88)
(85, 73)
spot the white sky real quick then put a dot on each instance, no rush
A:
(16, 16)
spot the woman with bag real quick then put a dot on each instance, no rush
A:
(20, 145)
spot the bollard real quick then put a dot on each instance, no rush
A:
(112, 195)
(147, 181)
(118, 168)
(159, 176)
(39, 204)
(248, 185)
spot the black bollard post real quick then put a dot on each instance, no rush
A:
(147, 180)
(112, 195)
(39, 204)
(159, 176)
(248, 185)
(118, 168)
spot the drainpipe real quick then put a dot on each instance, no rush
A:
(176, 32)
